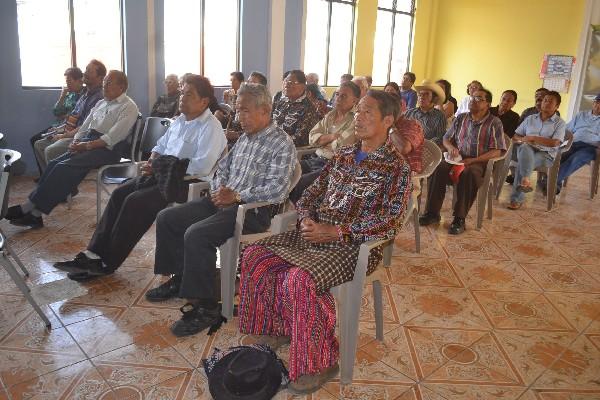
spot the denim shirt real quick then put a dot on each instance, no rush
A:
(552, 128)
(586, 128)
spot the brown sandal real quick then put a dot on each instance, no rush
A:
(514, 205)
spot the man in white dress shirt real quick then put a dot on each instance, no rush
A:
(195, 135)
(98, 142)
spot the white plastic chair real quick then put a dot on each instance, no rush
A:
(7, 158)
(230, 250)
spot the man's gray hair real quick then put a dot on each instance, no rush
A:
(361, 81)
(259, 93)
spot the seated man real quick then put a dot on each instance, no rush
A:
(408, 94)
(313, 78)
(167, 105)
(195, 135)
(330, 134)
(107, 125)
(361, 195)
(258, 169)
(429, 95)
(539, 137)
(475, 137)
(362, 84)
(585, 128)
(55, 142)
(258, 78)
(539, 96)
(293, 112)
(509, 118)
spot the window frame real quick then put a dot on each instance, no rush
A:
(328, 36)
(394, 11)
(73, 45)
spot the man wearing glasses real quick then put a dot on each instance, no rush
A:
(473, 139)
(293, 112)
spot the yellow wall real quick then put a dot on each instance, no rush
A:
(498, 42)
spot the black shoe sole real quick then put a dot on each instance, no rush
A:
(16, 222)
(159, 299)
(84, 276)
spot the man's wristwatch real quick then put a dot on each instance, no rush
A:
(238, 197)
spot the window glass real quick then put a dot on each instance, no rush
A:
(44, 41)
(340, 43)
(401, 45)
(182, 36)
(220, 40)
(98, 32)
(315, 41)
(381, 52)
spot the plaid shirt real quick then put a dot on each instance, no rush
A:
(259, 167)
(433, 122)
(474, 138)
(296, 118)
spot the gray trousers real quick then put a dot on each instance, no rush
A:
(187, 238)
(47, 150)
(64, 174)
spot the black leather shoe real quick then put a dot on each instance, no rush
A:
(510, 179)
(14, 212)
(81, 263)
(166, 291)
(28, 220)
(457, 227)
(195, 319)
(88, 276)
(428, 219)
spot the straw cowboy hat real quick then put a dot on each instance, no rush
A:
(440, 97)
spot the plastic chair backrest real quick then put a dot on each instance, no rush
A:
(7, 158)
(432, 156)
(154, 129)
(223, 155)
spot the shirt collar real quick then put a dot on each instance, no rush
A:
(298, 100)
(263, 132)
(482, 120)
(553, 118)
(119, 99)
(200, 118)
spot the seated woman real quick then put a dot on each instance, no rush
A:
(361, 195)
(330, 134)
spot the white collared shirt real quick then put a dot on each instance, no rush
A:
(201, 140)
(112, 118)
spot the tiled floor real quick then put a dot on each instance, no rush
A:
(508, 312)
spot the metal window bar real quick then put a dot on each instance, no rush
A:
(328, 37)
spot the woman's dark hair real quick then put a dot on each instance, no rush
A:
(394, 85)
(447, 87)
(512, 92)
(387, 104)
(238, 76)
(479, 83)
(74, 73)
(353, 87)
(261, 78)
(203, 88)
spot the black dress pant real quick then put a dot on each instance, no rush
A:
(187, 239)
(34, 139)
(466, 191)
(127, 216)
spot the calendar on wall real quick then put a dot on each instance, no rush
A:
(556, 72)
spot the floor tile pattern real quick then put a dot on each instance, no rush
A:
(508, 312)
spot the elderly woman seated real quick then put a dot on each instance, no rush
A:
(361, 194)
(330, 134)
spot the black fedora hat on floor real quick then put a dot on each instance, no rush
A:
(245, 373)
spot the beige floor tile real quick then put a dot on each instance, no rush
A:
(478, 392)
(581, 309)
(535, 251)
(494, 275)
(478, 249)
(423, 272)
(563, 278)
(394, 351)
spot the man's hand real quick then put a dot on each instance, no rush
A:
(452, 151)
(469, 161)
(223, 197)
(57, 136)
(232, 135)
(78, 147)
(317, 233)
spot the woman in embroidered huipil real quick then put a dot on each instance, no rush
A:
(360, 195)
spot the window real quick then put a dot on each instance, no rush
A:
(329, 39)
(57, 34)
(393, 39)
(202, 37)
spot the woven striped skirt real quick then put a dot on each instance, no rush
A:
(280, 299)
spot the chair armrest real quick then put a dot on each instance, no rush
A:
(252, 206)
(282, 221)
(302, 151)
(195, 190)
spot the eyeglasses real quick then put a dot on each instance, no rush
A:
(477, 98)
(290, 83)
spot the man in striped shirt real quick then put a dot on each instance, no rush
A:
(473, 139)
(258, 168)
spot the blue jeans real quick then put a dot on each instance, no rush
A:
(580, 154)
(528, 160)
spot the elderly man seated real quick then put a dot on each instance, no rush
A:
(473, 139)
(55, 141)
(167, 105)
(293, 112)
(96, 143)
(429, 94)
(258, 169)
(585, 128)
(195, 136)
(361, 195)
(539, 137)
(330, 134)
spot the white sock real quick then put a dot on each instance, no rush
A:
(36, 213)
(91, 255)
(27, 207)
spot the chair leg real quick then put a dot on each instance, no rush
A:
(9, 252)
(378, 305)
(387, 254)
(349, 311)
(417, 230)
(490, 202)
(228, 273)
(551, 189)
(481, 200)
(23, 287)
